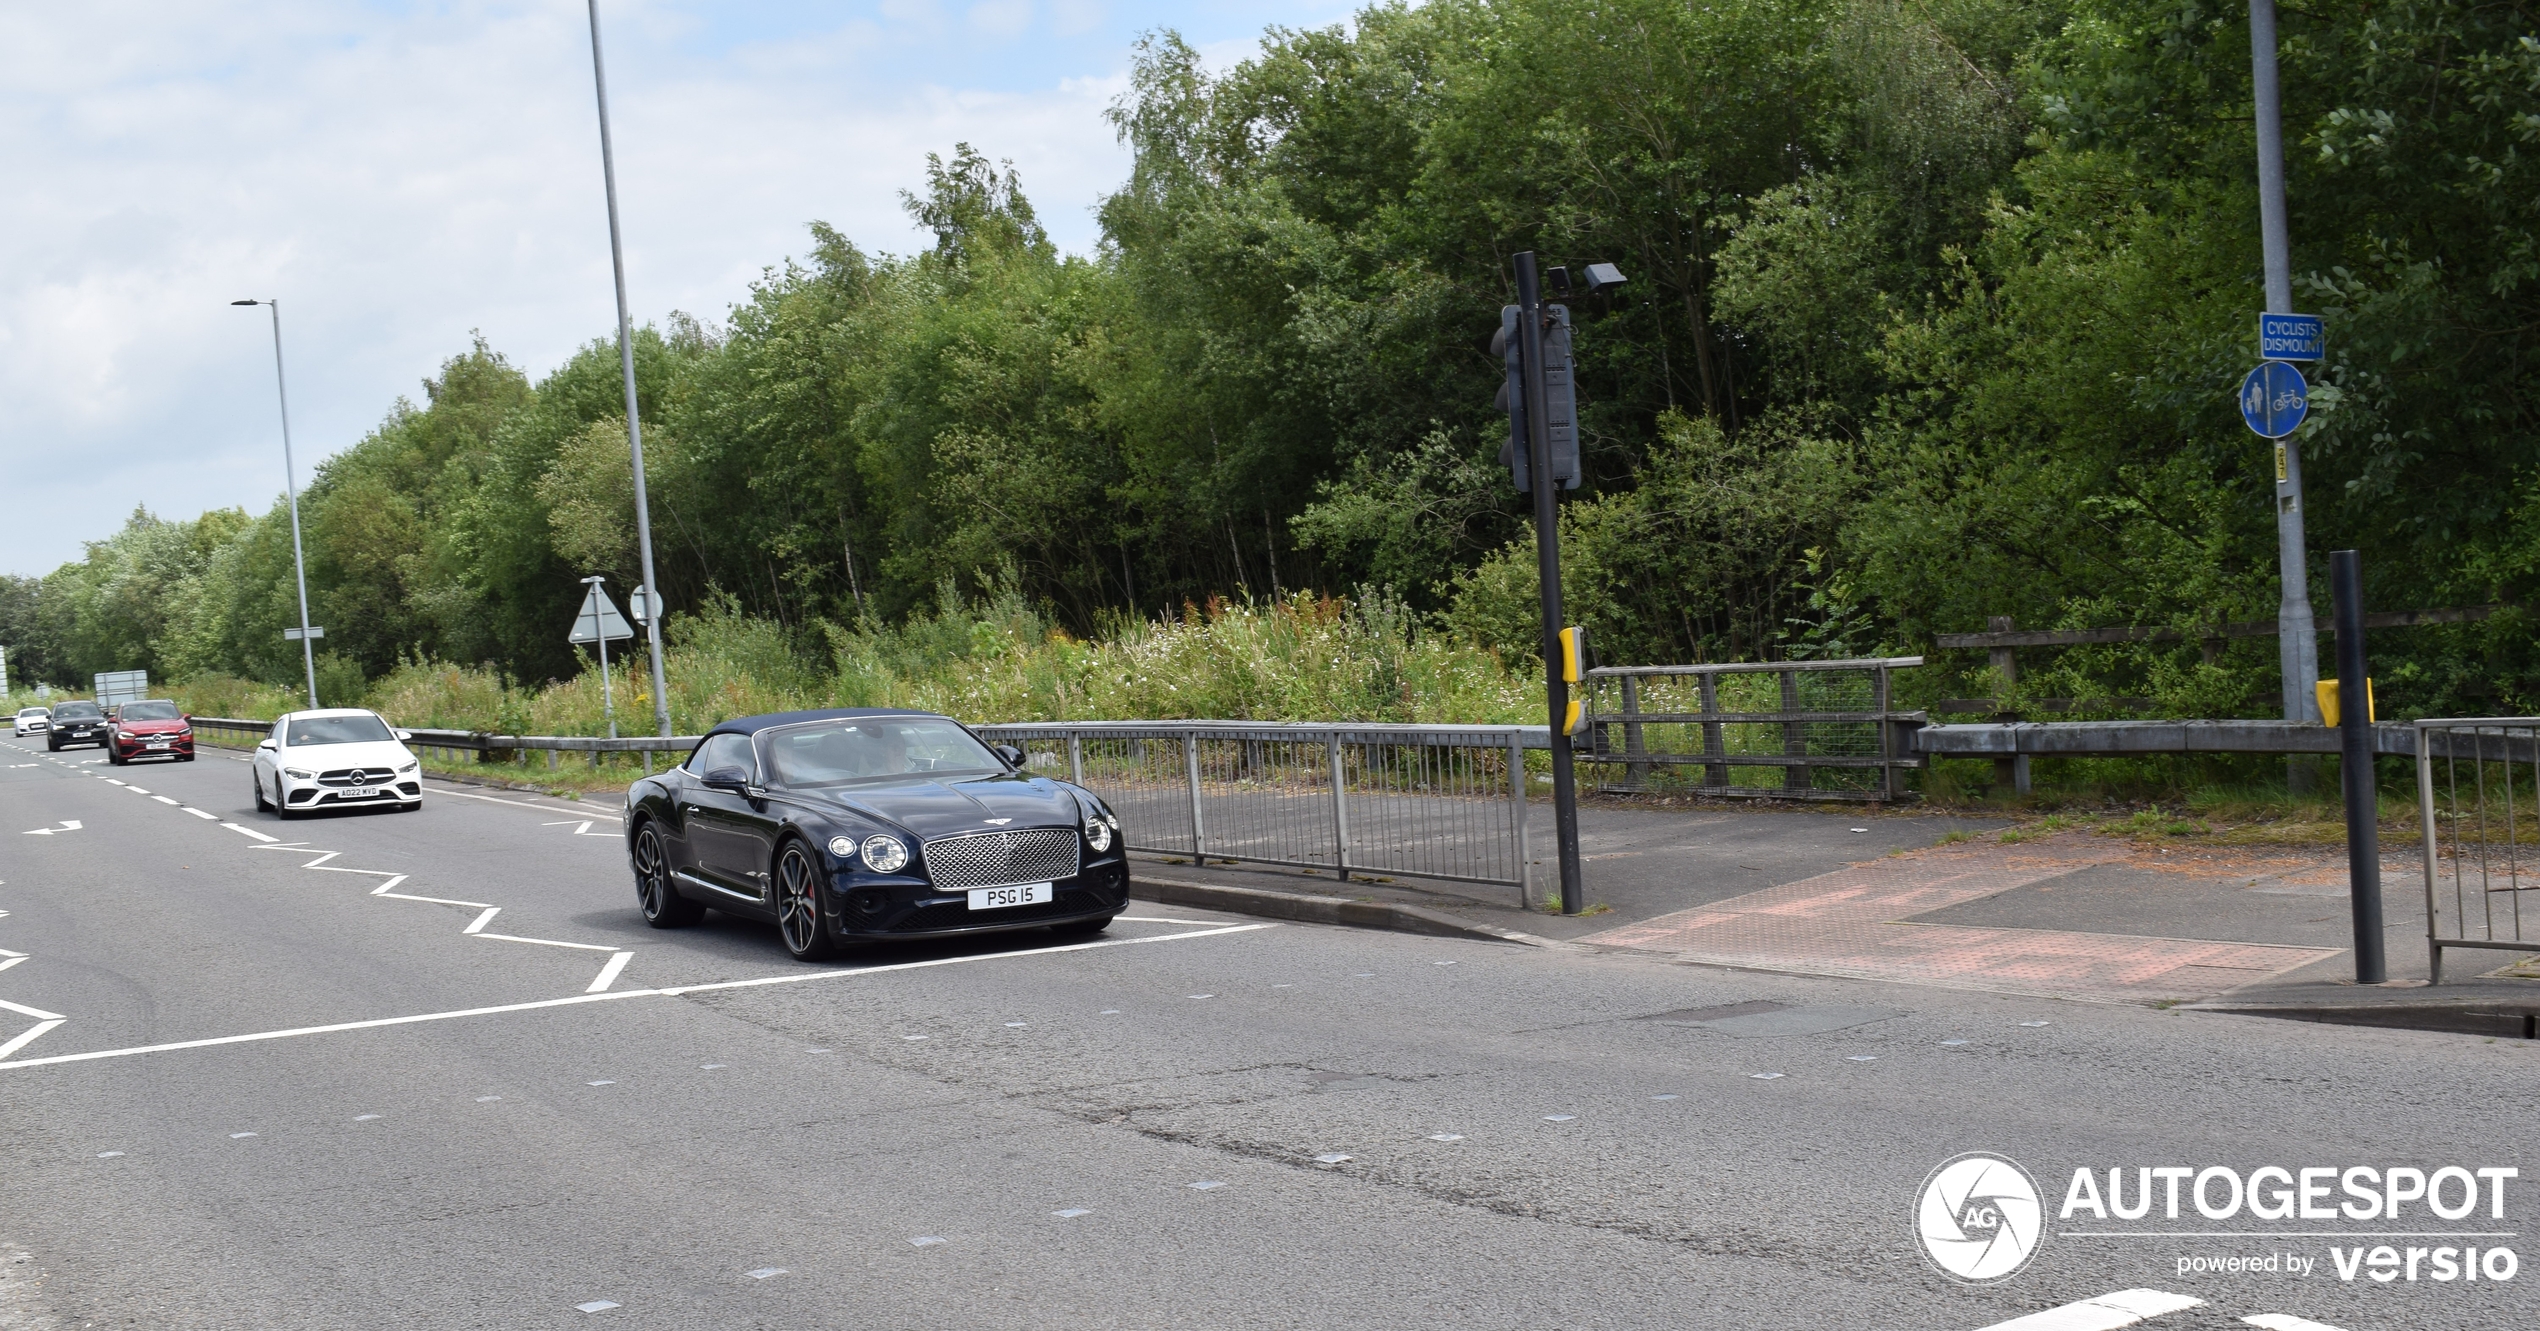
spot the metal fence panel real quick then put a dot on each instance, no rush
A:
(2478, 805)
(1811, 730)
(1435, 802)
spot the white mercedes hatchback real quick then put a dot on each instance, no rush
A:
(335, 758)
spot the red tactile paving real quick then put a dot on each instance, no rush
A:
(1856, 922)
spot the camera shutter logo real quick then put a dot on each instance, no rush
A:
(1979, 1218)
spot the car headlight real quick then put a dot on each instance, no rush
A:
(884, 854)
(408, 769)
(1097, 834)
(842, 847)
(298, 775)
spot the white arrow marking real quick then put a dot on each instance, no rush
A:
(68, 825)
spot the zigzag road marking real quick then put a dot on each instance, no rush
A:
(608, 973)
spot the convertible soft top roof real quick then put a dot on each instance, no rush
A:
(751, 725)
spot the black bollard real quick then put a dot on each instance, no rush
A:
(2355, 744)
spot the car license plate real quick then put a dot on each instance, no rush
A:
(1021, 894)
(161, 743)
(358, 792)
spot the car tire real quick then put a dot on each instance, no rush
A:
(1080, 928)
(799, 884)
(655, 894)
(263, 805)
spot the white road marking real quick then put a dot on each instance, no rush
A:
(482, 920)
(249, 831)
(2104, 1313)
(2288, 1322)
(24, 1011)
(207, 817)
(524, 804)
(165, 800)
(136, 790)
(548, 942)
(609, 973)
(68, 825)
(29, 1037)
(794, 978)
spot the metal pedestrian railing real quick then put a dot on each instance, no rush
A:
(1436, 802)
(1827, 726)
(2478, 801)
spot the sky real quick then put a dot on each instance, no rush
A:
(401, 175)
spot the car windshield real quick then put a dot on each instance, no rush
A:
(148, 711)
(823, 753)
(31, 711)
(77, 711)
(359, 729)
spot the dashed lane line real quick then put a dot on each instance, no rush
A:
(578, 999)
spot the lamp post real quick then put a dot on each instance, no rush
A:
(291, 489)
(626, 370)
(2297, 632)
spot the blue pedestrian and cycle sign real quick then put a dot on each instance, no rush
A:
(2292, 337)
(2273, 399)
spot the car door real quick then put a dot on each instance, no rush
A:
(723, 837)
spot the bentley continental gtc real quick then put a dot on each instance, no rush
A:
(869, 824)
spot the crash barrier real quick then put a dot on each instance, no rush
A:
(2112, 739)
(1436, 802)
(460, 745)
(1785, 730)
(2478, 805)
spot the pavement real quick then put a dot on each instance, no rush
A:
(432, 1069)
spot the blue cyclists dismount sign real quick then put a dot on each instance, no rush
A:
(2292, 337)
(2273, 399)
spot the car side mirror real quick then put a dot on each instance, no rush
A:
(188, 718)
(267, 744)
(404, 735)
(1014, 757)
(728, 778)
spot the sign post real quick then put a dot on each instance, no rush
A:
(598, 622)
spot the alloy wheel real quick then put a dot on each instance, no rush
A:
(797, 901)
(650, 887)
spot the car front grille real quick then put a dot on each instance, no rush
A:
(357, 776)
(993, 859)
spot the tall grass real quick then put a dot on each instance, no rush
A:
(1305, 658)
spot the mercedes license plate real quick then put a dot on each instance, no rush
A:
(1020, 894)
(358, 792)
(161, 743)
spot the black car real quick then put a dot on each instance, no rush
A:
(78, 723)
(870, 823)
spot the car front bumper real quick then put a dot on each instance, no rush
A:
(406, 790)
(927, 912)
(150, 746)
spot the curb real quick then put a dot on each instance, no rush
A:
(2497, 1017)
(1309, 908)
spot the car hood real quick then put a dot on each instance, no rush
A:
(926, 810)
(387, 754)
(153, 727)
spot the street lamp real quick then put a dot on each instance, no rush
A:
(291, 488)
(626, 370)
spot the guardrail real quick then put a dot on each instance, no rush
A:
(1437, 802)
(1828, 725)
(2111, 739)
(454, 745)
(2478, 805)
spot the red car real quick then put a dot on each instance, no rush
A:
(151, 729)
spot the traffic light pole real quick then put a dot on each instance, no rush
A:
(1565, 789)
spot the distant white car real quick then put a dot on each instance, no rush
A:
(33, 721)
(335, 758)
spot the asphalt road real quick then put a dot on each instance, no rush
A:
(496, 1128)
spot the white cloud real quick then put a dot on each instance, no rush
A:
(399, 177)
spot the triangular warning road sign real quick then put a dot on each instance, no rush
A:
(599, 620)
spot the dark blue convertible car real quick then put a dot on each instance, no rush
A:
(870, 823)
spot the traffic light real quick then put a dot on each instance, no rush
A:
(1561, 397)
